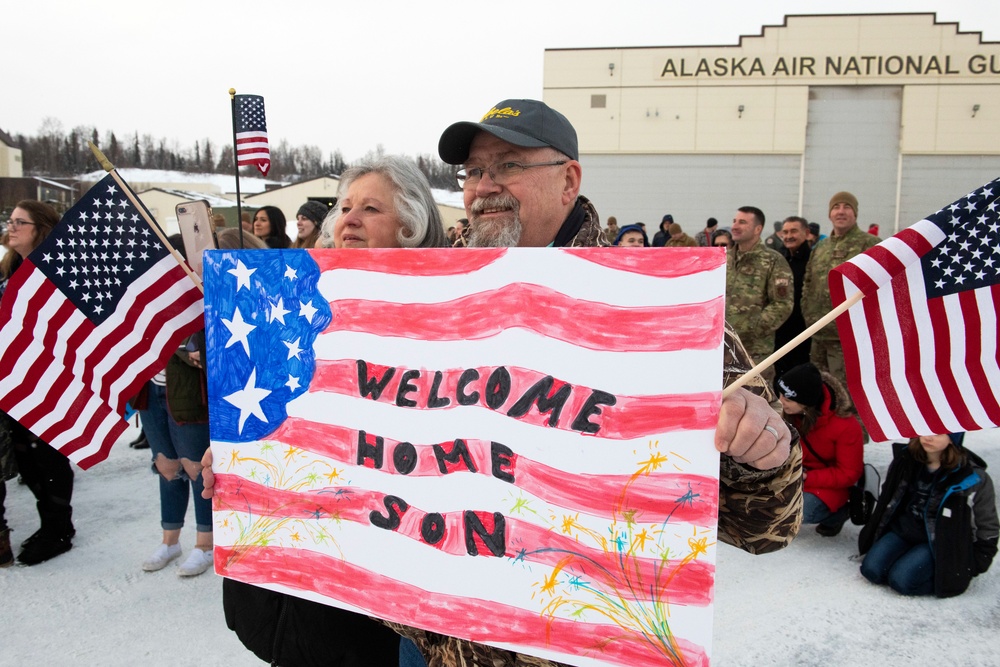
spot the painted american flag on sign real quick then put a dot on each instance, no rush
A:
(511, 446)
(920, 349)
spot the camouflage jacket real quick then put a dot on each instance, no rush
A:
(759, 510)
(760, 294)
(828, 253)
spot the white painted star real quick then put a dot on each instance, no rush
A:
(278, 311)
(293, 348)
(290, 273)
(242, 274)
(248, 400)
(293, 382)
(239, 330)
(307, 310)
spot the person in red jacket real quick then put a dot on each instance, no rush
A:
(819, 407)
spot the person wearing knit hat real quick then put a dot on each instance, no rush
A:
(309, 219)
(632, 236)
(678, 239)
(818, 406)
(846, 241)
(935, 523)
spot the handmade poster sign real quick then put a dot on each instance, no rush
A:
(513, 446)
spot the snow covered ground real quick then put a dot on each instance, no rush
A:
(806, 605)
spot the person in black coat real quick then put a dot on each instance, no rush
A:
(935, 524)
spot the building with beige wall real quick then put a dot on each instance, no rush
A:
(899, 109)
(11, 160)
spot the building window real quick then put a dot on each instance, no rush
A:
(598, 101)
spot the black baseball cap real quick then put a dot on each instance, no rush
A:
(527, 123)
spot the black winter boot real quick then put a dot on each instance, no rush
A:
(54, 537)
(6, 555)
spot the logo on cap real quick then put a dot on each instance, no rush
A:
(506, 111)
(786, 390)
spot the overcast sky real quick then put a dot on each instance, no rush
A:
(347, 75)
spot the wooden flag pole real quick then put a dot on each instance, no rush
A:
(110, 168)
(792, 344)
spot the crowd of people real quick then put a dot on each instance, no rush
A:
(790, 444)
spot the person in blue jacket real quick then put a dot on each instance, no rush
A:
(935, 524)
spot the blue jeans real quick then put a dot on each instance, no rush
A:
(814, 510)
(176, 441)
(907, 568)
(409, 654)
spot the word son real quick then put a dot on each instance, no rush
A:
(432, 526)
(469, 389)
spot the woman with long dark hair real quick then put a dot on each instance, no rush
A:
(935, 524)
(269, 226)
(46, 472)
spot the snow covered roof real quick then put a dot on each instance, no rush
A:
(214, 201)
(224, 182)
(53, 184)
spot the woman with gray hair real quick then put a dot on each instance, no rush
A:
(384, 203)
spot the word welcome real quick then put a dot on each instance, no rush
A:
(495, 392)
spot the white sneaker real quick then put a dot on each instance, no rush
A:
(163, 555)
(197, 562)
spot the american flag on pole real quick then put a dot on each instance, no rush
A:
(93, 313)
(513, 446)
(251, 133)
(920, 348)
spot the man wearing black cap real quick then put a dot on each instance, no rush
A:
(521, 178)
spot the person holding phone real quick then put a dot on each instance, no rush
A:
(384, 203)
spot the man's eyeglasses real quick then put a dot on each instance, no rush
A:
(17, 224)
(500, 173)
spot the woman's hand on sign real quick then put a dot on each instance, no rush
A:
(207, 476)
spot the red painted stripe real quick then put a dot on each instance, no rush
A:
(630, 417)
(655, 498)
(552, 315)
(474, 619)
(609, 568)
(675, 263)
(427, 262)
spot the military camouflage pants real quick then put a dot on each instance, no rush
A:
(828, 356)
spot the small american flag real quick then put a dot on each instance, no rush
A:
(93, 313)
(251, 133)
(343, 382)
(920, 349)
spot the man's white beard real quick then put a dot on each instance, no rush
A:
(504, 233)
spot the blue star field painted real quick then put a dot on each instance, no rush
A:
(263, 312)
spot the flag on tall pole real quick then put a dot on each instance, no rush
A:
(920, 349)
(251, 133)
(91, 314)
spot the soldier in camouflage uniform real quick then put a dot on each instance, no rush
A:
(760, 475)
(759, 287)
(845, 242)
